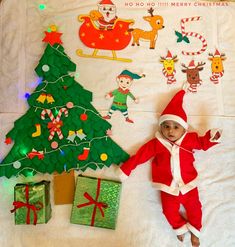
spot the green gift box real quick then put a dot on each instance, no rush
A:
(32, 203)
(96, 202)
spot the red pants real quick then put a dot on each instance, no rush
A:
(192, 205)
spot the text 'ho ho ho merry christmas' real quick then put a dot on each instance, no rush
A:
(174, 4)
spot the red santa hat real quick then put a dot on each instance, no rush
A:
(108, 2)
(174, 111)
(217, 53)
(169, 55)
(191, 65)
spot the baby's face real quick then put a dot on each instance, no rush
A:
(172, 130)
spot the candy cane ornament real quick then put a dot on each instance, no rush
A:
(216, 77)
(184, 36)
(170, 78)
(56, 123)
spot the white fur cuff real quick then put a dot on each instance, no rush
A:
(182, 230)
(121, 175)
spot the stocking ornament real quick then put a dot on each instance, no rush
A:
(85, 154)
(38, 130)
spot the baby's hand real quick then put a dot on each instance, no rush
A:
(136, 100)
(215, 135)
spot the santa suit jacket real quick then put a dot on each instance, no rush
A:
(173, 170)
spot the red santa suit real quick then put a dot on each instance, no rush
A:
(173, 171)
(108, 11)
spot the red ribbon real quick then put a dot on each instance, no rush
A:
(91, 201)
(36, 207)
(54, 126)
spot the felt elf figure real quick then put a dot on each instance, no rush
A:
(120, 94)
(108, 14)
(173, 171)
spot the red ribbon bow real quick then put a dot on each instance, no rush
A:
(35, 207)
(54, 126)
(91, 201)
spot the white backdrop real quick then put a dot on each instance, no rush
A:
(140, 221)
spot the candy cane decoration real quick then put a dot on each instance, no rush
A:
(193, 34)
(48, 112)
(216, 76)
(62, 110)
(55, 123)
(170, 78)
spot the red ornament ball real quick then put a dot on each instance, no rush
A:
(83, 117)
(70, 105)
(54, 145)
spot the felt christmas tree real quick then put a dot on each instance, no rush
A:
(61, 130)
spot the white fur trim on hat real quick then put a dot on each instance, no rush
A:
(171, 117)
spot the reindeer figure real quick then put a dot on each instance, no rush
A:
(169, 67)
(156, 22)
(217, 66)
(192, 72)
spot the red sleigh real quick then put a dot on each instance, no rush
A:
(115, 39)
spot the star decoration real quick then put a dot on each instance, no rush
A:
(52, 38)
(8, 140)
(101, 36)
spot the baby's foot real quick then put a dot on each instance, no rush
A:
(181, 237)
(195, 240)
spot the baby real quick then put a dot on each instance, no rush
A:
(173, 172)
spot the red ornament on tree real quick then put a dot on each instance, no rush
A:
(8, 140)
(83, 117)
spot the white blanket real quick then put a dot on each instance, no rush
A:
(140, 220)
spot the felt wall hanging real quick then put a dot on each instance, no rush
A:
(193, 77)
(184, 36)
(169, 67)
(120, 95)
(61, 130)
(102, 30)
(156, 22)
(217, 67)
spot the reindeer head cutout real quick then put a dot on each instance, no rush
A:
(155, 21)
(192, 72)
(169, 62)
(217, 61)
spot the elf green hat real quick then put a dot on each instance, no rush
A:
(130, 74)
